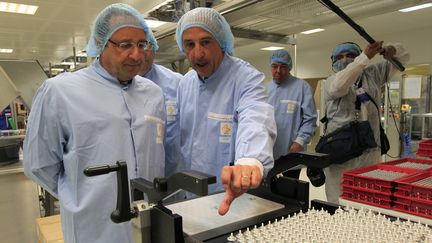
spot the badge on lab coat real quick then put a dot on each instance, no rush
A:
(225, 132)
(159, 133)
(291, 105)
(171, 110)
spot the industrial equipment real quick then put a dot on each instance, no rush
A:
(18, 80)
(197, 220)
(416, 108)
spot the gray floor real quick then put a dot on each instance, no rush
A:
(18, 208)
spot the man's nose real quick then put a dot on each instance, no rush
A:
(136, 53)
(199, 51)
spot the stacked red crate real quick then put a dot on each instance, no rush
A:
(414, 194)
(373, 185)
(389, 185)
(425, 148)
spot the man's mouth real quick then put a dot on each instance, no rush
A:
(132, 64)
(201, 64)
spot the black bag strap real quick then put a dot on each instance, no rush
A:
(376, 105)
(325, 119)
(357, 103)
(373, 101)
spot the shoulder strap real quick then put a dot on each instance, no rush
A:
(357, 103)
(373, 101)
(370, 98)
(325, 119)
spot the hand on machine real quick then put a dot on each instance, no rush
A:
(236, 180)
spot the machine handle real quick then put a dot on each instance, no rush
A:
(123, 212)
(100, 170)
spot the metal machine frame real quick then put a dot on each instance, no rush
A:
(156, 223)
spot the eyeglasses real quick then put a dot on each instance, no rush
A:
(128, 46)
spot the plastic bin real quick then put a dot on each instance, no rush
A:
(9, 152)
(407, 187)
(358, 177)
(367, 197)
(411, 163)
(425, 148)
(413, 207)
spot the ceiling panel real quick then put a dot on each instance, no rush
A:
(59, 25)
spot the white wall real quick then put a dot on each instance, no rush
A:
(315, 62)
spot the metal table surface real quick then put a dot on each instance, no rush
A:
(201, 214)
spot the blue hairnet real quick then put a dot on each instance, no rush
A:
(111, 19)
(209, 20)
(281, 56)
(345, 47)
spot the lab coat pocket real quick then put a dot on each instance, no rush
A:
(291, 106)
(171, 110)
(222, 125)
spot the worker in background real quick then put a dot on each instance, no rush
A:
(168, 81)
(96, 116)
(294, 106)
(223, 109)
(353, 66)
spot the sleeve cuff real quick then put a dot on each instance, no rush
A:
(252, 162)
(300, 141)
(363, 60)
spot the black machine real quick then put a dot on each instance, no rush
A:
(154, 222)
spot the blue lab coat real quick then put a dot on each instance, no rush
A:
(86, 118)
(225, 118)
(168, 81)
(295, 113)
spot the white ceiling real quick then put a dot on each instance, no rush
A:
(59, 25)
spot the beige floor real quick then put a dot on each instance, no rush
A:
(314, 192)
(18, 208)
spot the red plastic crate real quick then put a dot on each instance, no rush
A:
(425, 148)
(427, 144)
(384, 190)
(413, 207)
(355, 178)
(367, 197)
(424, 153)
(407, 188)
(424, 163)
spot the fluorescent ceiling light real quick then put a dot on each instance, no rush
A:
(154, 23)
(414, 8)
(5, 50)
(307, 32)
(272, 48)
(18, 8)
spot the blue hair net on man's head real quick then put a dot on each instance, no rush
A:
(281, 56)
(209, 20)
(345, 47)
(111, 19)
